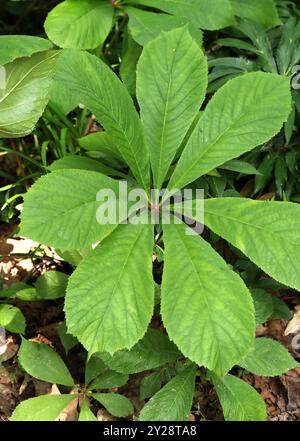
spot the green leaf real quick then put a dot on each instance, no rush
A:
(42, 362)
(94, 367)
(171, 85)
(85, 412)
(60, 209)
(263, 12)
(131, 52)
(174, 401)
(150, 385)
(154, 350)
(280, 310)
(12, 290)
(265, 231)
(100, 142)
(43, 408)
(116, 404)
(77, 162)
(26, 93)
(27, 294)
(251, 118)
(109, 303)
(98, 376)
(12, 319)
(239, 166)
(60, 95)
(67, 340)
(263, 305)
(145, 26)
(208, 312)
(108, 380)
(239, 400)
(82, 24)
(268, 358)
(16, 46)
(93, 84)
(206, 14)
(51, 285)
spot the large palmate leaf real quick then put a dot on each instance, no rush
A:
(109, 301)
(43, 408)
(93, 84)
(261, 11)
(171, 85)
(174, 401)
(60, 209)
(26, 93)
(145, 26)
(240, 401)
(206, 14)
(82, 24)
(267, 232)
(206, 308)
(154, 350)
(268, 358)
(242, 115)
(16, 46)
(42, 362)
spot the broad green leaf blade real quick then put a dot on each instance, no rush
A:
(51, 285)
(100, 142)
(171, 85)
(116, 404)
(12, 319)
(26, 93)
(43, 408)
(146, 26)
(281, 310)
(17, 46)
(268, 358)
(94, 367)
(60, 209)
(174, 401)
(131, 52)
(85, 412)
(154, 350)
(243, 114)
(93, 84)
(110, 296)
(208, 312)
(263, 12)
(42, 362)
(67, 340)
(267, 232)
(263, 305)
(82, 24)
(12, 290)
(150, 385)
(77, 162)
(240, 167)
(206, 14)
(60, 96)
(239, 400)
(108, 380)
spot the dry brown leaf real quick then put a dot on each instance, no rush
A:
(294, 325)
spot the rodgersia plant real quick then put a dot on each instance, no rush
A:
(206, 308)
